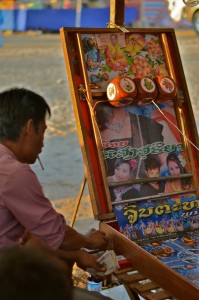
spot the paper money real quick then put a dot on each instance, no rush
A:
(109, 261)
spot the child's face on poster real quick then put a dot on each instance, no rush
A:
(153, 172)
(122, 172)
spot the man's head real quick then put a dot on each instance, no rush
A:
(152, 167)
(23, 122)
(114, 39)
(30, 274)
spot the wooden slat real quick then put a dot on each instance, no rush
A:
(159, 196)
(122, 271)
(110, 30)
(96, 131)
(156, 296)
(181, 107)
(149, 179)
(82, 133)
(140, 288)
(140, 285)
(105, 217)
(126, 278)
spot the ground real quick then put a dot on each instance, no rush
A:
(36, 61)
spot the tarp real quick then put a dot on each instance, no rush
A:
(50, 19)
(8, 20)
(54, 19)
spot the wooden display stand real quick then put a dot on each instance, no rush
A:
(89, 71)
(173, 286)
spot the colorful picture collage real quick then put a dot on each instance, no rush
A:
(138, 142)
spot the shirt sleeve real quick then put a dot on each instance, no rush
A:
(24, 197)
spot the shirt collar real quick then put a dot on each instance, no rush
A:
(6, 150)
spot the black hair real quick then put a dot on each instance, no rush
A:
(104, 111)
(88, 44)
(151, 162)
(120, 161)
(174, 157)
(29, 274)
(17, 106)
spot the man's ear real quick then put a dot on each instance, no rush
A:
(28, 127)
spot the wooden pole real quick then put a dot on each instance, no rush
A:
(117, 12)
(77, 202)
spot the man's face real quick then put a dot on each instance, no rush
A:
(153, 172)
(113, 40)
(34, 142)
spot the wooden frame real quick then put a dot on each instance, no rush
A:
(88, 132)
(174, 284)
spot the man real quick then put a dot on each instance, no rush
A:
(23, 207)
(30, 274)
(115, 56)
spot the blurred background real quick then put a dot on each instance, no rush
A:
(31, 56)
(50, 15)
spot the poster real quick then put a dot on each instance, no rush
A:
(163, 218)
(138, 142)
(110, 55)
(143, 145)
(180, 254)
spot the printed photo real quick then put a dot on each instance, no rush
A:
(116, 54)
(147, 220)
(138, 144)
(180, 254)
(138, 141)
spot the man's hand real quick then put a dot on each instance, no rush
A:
(96, 239)
(93, 240)
(88, 261)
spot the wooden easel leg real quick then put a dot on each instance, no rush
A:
(77, 201)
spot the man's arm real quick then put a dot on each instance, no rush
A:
(82, 258)
(35, 212)
(74, 240)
